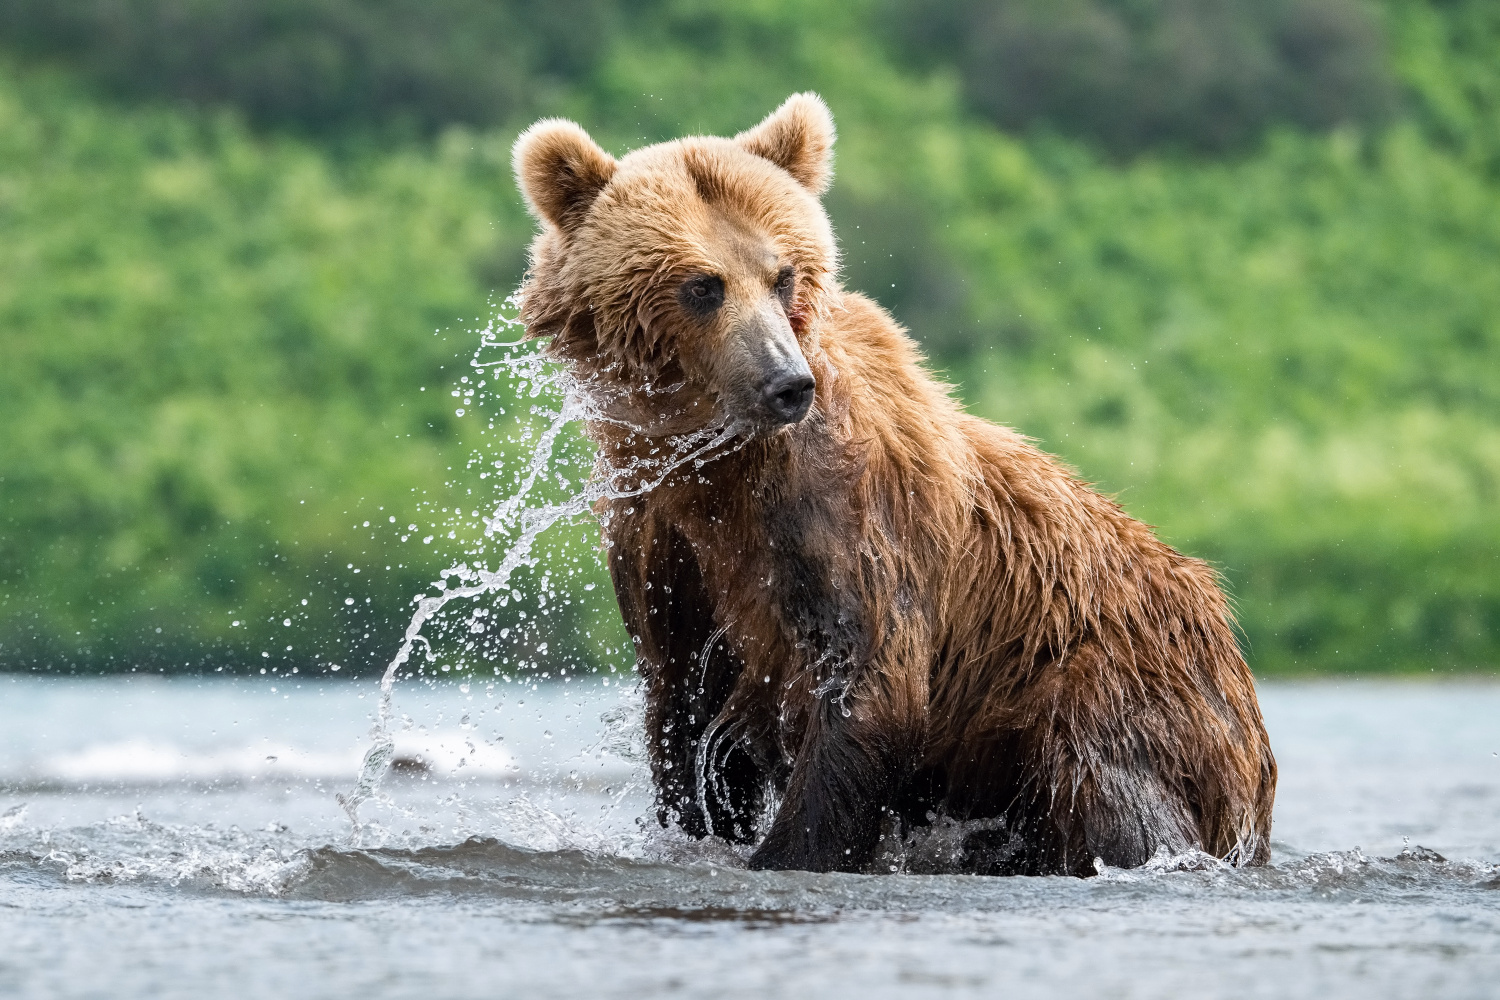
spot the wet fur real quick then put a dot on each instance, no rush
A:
(890, 610)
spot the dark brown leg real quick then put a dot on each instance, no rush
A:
(849, 770)
(689, 671)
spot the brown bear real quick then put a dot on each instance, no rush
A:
(874, 608)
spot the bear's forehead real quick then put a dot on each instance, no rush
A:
(687, 175)
(708, 198)
(708, 239)
(683, 158)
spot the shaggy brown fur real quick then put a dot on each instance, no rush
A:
(885, 609)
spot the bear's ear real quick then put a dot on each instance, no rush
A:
(560, 171)
(798, 138)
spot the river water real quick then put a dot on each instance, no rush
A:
(181, 838)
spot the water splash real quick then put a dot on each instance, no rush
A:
(519, 518)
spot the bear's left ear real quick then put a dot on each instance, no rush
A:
(798, 138)
(560, 170)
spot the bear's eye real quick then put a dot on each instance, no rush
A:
(786, 285)
(702, 294)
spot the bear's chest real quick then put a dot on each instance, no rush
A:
(783, 563)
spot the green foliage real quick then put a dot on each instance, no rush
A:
(1126, 74)
(1448, 56)
(215, 340)
(221, 366)
(1207, 75)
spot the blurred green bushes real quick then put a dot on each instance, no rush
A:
(1207, 75)
(321, 65)
(226, 381)
(1279, 343)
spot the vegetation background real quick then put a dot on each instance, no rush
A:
(1236, 260)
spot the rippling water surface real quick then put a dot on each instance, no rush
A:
(181, 838)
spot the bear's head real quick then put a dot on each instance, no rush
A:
(699, 266)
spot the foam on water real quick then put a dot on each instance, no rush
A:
(579, 867)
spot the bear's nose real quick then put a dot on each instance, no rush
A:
(788, 398)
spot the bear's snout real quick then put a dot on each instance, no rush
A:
(788, 396)
(766, 379)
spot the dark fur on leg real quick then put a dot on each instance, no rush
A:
(836, 799)
(689, 672)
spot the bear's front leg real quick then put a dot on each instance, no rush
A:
(851, 765)
(705, 781)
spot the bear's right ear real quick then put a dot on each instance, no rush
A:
(560, 171)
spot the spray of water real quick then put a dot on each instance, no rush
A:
(520, 518)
